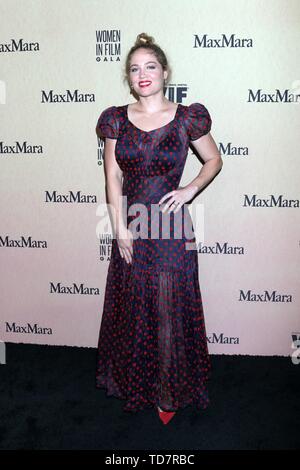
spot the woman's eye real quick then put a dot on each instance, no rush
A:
(133, 69)
(151, 67)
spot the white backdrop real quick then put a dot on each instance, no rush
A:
(61, 64)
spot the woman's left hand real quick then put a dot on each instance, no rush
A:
(177, 198)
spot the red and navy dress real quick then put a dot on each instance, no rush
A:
(152, 348)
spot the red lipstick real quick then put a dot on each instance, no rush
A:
(144, 83)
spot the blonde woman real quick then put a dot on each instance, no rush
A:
(152, 349)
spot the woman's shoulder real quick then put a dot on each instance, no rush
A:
(109, 121)
(197, 119)
(112, 110)
(195, 107)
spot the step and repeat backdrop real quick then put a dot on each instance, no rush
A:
(61, 65)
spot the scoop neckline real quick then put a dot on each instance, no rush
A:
(152, 130)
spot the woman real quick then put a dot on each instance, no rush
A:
(152, 349)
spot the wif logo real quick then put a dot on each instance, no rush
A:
(176, 93)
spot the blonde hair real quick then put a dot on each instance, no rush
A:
(147, 42)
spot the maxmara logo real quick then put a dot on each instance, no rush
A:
(108, 45)
(271, 201)
(22, 242)
(285, 96)
(68, 96)
(232, 150)
(71, 197)
(19, 46)
(220, 249)
(266, 296)
(74, 289)
(223, 41)
(27, 329)
(222, 339)
(18, 147)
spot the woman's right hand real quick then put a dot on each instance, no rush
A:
(125, 243)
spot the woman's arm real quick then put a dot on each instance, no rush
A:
(208, 150)
(113, 184)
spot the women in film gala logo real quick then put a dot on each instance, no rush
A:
(108, 45)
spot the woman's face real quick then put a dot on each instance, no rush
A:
(146, 73)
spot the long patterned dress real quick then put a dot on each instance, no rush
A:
(152, 348)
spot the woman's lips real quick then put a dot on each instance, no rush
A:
(144, 84)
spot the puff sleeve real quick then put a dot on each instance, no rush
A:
(198, 121)
(108, 124)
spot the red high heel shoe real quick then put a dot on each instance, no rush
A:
(165, 416)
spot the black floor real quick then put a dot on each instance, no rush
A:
(49, 401)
